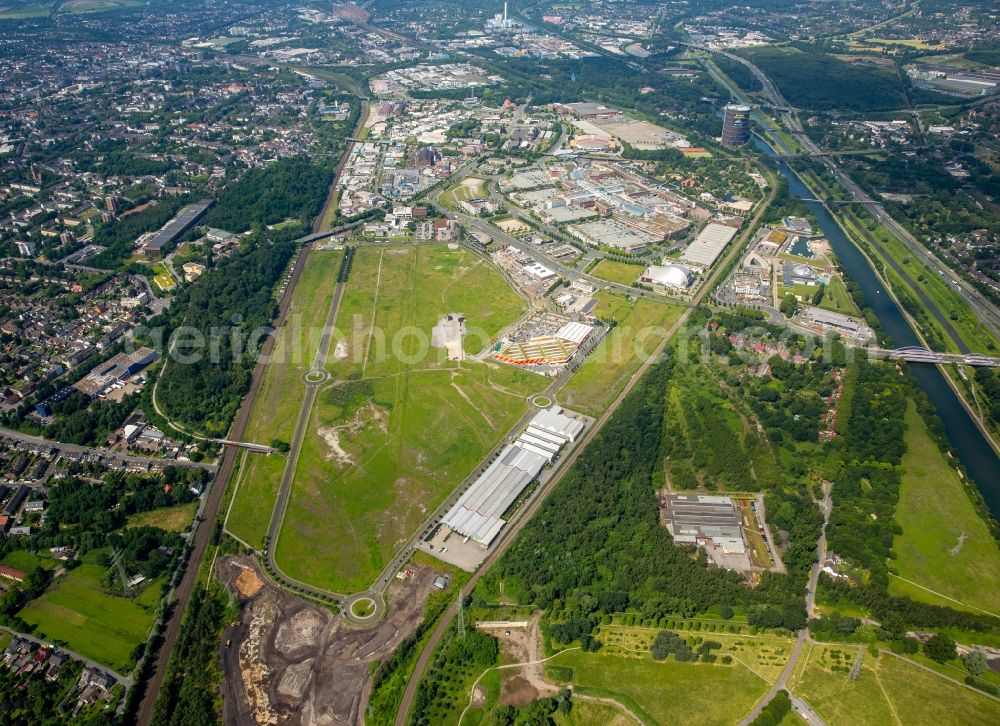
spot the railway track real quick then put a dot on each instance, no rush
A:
(182, 594)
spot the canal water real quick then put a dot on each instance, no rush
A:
(974, 451)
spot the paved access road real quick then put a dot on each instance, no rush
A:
(826, 507)
(124, 680)
(985, 310)
(97, 451)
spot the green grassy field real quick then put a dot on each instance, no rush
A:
(162, 278)
(588, 713)
(102, 627)
(973, 333)
(665, 692)
(466, 189)
(920, 697)
(277, 404)
(26, 561)
(835, 699)
(933, 512)
(394, 298)
(620, 272)
(764, 654)
(889, 690)
(837, 299)
(804, 292)
(399, 427)
(170, 519)
(642, 325)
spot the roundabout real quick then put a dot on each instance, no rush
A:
(362, 608)
(315, 376)
(541, 401)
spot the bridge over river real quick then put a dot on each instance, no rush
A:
(917, 354)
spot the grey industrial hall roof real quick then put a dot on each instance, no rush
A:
(478, 512)
(177, 226)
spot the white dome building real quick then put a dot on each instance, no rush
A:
(671, 276)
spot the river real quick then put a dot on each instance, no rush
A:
(980, 460)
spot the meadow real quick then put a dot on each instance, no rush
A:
(889, 689)
(280, 397)
(664, 692)
(642, 326)
(934, 511)
(399, 427)
(76, 613)
(169, 519)
(620, 272)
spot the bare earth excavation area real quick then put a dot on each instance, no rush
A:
(292, 662)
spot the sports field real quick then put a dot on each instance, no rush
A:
(276, 406)
(620, 272)
(642, 325)
(104, 628)
(934, 511)
(398, 427)
(664, 692)
(889, 690)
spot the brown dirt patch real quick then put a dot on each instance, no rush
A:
(294, 662)
(248, 583)
(517, 691)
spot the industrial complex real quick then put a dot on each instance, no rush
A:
(479, 515)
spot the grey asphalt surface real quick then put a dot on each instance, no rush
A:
(107, 453)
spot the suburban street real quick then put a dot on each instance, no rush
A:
(126, 681)
(102, 452)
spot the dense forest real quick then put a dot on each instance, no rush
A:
(202, 386)
(292, 188)
(739, 73)
(862, 87)
(597, 542)
(189, 694)
(78, 502)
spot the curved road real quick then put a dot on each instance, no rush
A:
(985, 310)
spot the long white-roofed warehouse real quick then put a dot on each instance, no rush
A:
(478, 515)
(709, 244)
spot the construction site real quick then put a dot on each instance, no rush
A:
(292, 661)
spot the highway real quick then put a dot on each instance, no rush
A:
(98, 451)
(984, 309)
